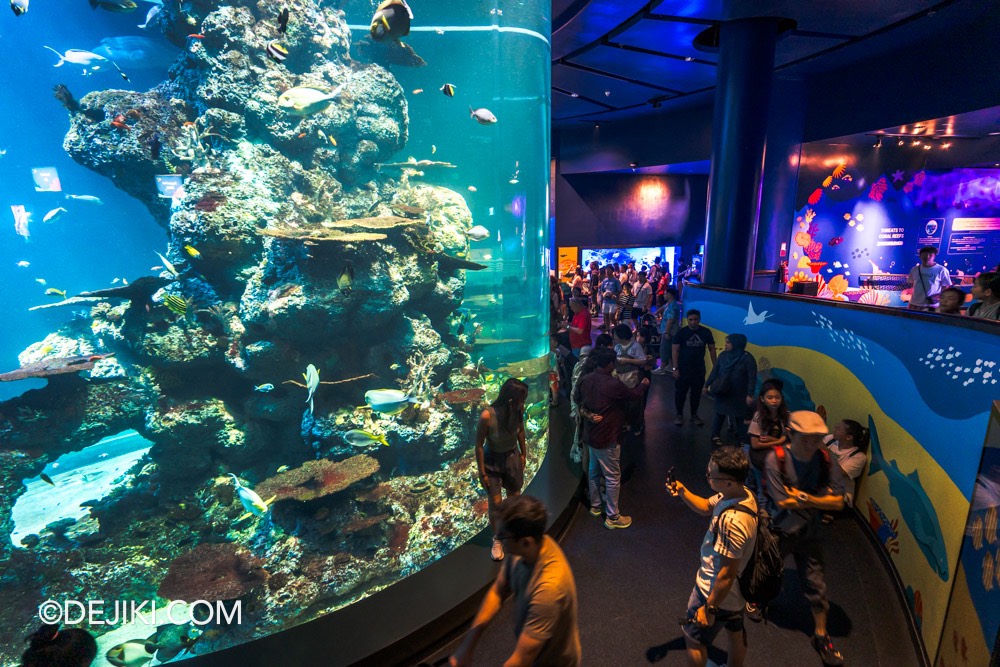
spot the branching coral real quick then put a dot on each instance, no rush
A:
(315, 479)
(213, 572)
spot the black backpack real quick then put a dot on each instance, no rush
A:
(760, 581)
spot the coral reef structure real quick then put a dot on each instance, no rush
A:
(294, 242)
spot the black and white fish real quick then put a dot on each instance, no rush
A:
(276, 51)
(391, 20)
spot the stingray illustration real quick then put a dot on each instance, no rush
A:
(915, 507)
(755, 318)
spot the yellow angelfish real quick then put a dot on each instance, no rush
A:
(191, 250)
(52, 291)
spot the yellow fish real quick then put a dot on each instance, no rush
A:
(417, 91)
(52, 291)
(191, 250)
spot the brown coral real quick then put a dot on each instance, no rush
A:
(315, 479)
(213, 572)
(458, 396)
(50, 367)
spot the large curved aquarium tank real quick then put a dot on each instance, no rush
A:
(267, 260)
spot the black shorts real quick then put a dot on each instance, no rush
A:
(730, 620)
(503, 470)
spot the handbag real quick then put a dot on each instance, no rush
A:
(722, 385)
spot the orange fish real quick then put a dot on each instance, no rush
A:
(196, 35)
(120, 126)
(301, 136)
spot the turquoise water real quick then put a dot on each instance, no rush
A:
(442, 297)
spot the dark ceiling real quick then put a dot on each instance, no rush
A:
(615, 59)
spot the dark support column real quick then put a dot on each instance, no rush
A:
(739, 135)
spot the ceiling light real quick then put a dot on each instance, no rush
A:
(927, 147)
(993, 134)
(633, 164)
(900, 142)
(607, 93)
(689, 59)
(916, 142)
(597, 126)
(946, 144)
(878, 144)
(574, 94)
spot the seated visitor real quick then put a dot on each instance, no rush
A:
(986, 290)
(951, 301)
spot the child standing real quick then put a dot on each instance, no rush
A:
(849, 445)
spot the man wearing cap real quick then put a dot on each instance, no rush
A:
(801, 482)
(928, 280)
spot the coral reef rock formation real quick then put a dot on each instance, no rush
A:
(288, 248)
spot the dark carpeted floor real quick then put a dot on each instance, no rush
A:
(633, 584)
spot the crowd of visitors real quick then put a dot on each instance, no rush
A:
(782, 477)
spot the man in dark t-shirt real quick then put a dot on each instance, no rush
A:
(689, 363)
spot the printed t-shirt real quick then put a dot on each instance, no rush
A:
(692, 343)
(731, 536)
(934, 279)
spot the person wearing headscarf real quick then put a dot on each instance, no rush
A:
(735, 378)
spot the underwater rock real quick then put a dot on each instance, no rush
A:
(85, 532)
(213, 572)
(188, 434)
(315, 479)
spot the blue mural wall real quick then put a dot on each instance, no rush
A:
(924, 387)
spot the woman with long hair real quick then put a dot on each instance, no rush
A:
(769, 426)
(501, 450)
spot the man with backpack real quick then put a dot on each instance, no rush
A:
(729, 546)
(800, 484)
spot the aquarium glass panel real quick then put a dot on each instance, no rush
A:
(266, 265)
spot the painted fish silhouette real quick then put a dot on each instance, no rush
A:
(755, 318)
(915, 507)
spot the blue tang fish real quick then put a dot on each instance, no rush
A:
(914, 505)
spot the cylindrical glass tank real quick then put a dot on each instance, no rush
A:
(282, 268)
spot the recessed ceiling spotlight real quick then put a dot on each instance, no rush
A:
(574, 94)
(946, 144)
(633, 164)
(927, 147)
(878, 144)
(992, 134)
(689, 59)
(607, 93)
(900, 142)
(916, 142)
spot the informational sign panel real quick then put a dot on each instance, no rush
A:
(569, 258)
(974, 236)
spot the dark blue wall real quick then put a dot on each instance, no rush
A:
(945, 65)
(594, 210)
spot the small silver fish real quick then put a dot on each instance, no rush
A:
(264, 388)
(482, 116)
